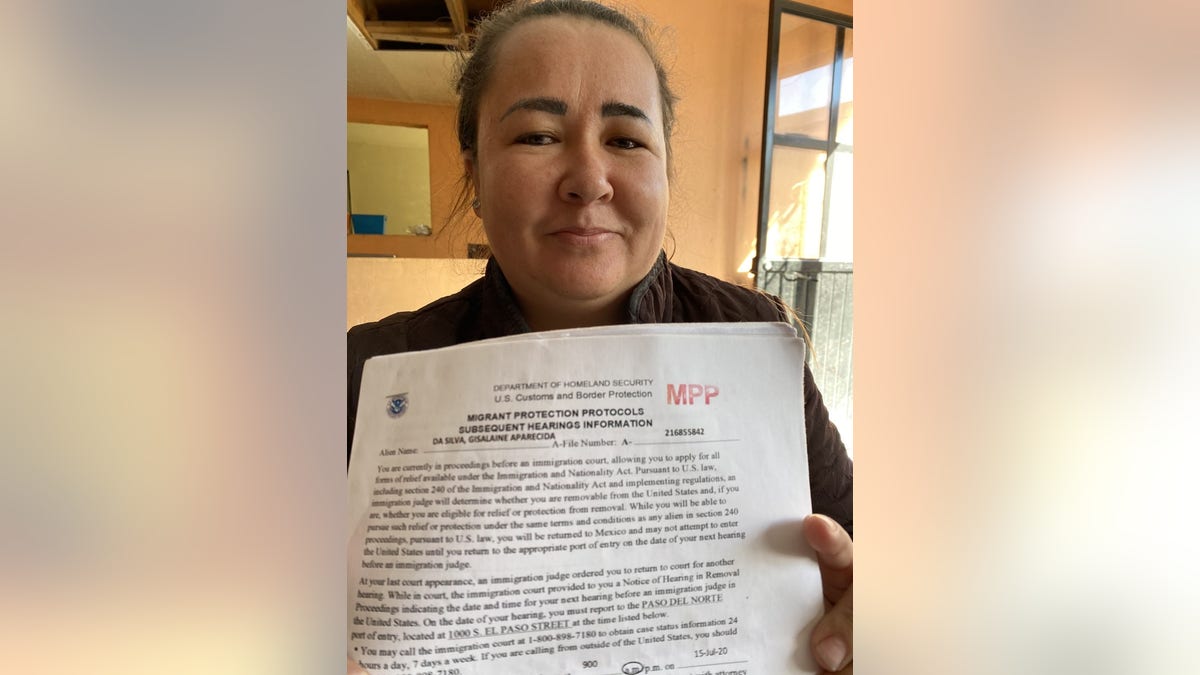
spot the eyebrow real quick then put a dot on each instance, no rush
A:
(614, 109)
(542, 104)
(556, 106)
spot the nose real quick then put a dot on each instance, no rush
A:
(586, 180)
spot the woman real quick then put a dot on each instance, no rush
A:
(565, 120)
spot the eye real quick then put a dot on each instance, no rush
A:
(535, 139)
(626, 143)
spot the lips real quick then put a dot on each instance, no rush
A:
(583, 235)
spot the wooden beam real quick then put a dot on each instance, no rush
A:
(458, 15)
(423, 39)
(354, 10)
(379, 28)
(425, 32)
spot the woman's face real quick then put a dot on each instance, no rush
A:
(570, 168)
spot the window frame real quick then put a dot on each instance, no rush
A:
(829, 145)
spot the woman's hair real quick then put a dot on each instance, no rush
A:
(475, 70)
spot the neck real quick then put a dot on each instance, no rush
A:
(544, 316)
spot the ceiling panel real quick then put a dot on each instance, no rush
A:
(413, 76)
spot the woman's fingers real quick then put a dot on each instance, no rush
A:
(833, 636)
(835, 554)
(353, 668)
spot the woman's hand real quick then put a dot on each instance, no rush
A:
(353, 668)
(833, 637)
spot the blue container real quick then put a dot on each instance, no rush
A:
(367, 224)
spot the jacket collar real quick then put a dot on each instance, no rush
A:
(652, 299)
(499, 314)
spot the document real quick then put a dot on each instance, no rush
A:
(610, 501)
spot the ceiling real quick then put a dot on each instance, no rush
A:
(403, 49)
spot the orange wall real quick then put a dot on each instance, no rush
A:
(716, 56)
(377, 287)
(842, 6)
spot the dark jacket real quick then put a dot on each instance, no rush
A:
(669, 294)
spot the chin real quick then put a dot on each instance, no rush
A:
(579, 283)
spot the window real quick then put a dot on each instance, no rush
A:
(806, 207)
(804, 252)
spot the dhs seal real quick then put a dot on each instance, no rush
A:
(397, 404)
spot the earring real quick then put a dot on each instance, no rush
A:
(475, 204)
